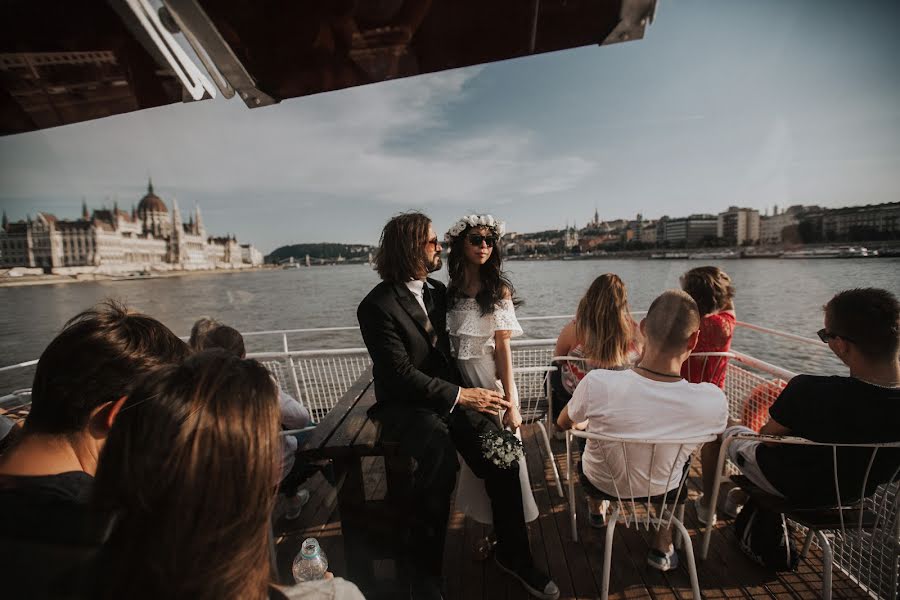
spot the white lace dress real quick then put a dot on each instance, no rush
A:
(472, 340)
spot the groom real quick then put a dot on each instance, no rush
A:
(421, 407)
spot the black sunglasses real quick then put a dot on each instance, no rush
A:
(434, 242)
(476, 240)
(826, 336)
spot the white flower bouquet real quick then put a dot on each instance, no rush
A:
(496, 225)
(502, 448)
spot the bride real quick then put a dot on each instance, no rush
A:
(481, 319)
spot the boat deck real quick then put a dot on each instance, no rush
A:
(575, 566)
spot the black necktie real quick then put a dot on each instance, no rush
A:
(429, 301)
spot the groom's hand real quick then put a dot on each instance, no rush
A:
(482, 400)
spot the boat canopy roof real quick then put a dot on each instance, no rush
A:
(65, 62)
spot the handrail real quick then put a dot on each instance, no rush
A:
(763, 365)
(21, 365)
(526, 342)
(350, 351)
(790, 336)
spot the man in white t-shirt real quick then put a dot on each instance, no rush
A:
(649, 402)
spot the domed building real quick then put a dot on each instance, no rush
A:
(153, 213)
(114, 241)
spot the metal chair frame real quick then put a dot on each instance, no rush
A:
(537, 408)
(665, 517)
(886, 509)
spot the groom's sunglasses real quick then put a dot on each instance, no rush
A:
(476, 240)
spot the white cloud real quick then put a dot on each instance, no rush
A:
(390, 143)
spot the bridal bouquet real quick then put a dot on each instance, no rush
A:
(502, 448)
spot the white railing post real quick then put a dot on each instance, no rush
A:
(294, 381)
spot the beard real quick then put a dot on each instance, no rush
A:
(434, 264)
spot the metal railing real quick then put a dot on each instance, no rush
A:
(283, 333)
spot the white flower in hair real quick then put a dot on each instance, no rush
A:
(498, 226)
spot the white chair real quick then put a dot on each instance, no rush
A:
(864, 530)
(534, 404)
(626, 502)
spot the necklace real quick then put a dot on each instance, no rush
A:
(889, 386)
(657, 372)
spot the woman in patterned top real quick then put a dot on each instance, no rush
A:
(602, 336)
(711, 289)
(481, 319)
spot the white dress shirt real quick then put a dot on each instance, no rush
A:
(417, 287)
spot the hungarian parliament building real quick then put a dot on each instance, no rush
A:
(149, 238)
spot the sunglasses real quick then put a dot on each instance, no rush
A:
(434, 242)
(826, 336)
(476, 240)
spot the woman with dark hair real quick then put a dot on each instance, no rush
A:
(208, 334)
(189, 471)
(481, 320)
(711, 289)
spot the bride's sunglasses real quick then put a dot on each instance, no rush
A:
(476, 240)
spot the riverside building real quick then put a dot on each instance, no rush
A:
(150, 237)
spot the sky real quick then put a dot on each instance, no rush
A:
(724, 102)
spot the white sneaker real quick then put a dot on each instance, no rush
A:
(732, 506)
(662, 562)
(295, 504)
(598, 519)
(704, 515)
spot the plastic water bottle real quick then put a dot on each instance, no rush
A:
(311, 563)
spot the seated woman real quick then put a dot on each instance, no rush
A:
(711, 289)
(189, 471)
(207, 334)
(602, 336)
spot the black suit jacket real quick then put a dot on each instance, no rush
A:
(408, 367)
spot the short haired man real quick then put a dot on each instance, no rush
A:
(207, 334)
(201, 327)
(862, 328)
(650, 401)
(81, 381)
(420, 404)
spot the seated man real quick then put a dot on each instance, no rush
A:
(649, 401)
(862, 328)
(46, 475)
(206, 334)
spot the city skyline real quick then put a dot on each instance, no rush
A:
(747, 105)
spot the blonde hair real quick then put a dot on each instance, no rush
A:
(603, 323)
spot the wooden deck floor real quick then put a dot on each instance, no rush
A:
(576, 567)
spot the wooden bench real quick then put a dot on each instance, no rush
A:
(372, 529)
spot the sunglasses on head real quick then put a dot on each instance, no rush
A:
(476, 240)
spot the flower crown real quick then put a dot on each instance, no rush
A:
(498, 226)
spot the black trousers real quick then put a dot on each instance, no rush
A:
(503, 486)
(424, 436)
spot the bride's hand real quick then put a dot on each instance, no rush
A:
(512, 418)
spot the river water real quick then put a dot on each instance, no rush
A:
(781, 294)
